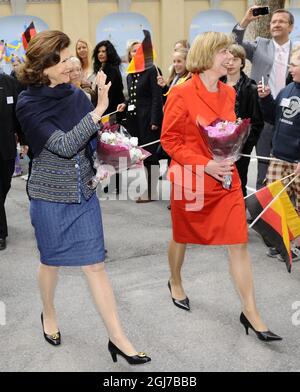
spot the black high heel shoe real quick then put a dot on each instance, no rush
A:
(138, 359)
(266, 336)
(54, 339)
(183, 303)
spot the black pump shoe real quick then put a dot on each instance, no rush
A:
(266, 336)
(180, 303)
(138, 359)
(54, 339)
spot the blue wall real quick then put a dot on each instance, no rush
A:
(121, 28)
(212, 20)
(295, 35)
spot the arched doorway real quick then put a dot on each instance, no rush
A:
(212, 20)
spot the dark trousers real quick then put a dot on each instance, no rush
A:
(242, 166)
(263, 148)
(6, 171)
(151, 182)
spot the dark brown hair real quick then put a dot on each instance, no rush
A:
(43, 52)
(282, 10)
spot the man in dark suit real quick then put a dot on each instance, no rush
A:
(8, 127)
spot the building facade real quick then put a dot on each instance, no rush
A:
(169, 20)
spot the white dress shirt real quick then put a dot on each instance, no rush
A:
(285, 55)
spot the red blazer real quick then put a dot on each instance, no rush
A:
(181, 138)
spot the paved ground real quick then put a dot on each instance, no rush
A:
(209, 338)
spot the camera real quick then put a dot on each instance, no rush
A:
(260, 11)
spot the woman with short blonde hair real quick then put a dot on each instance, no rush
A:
(205, 212)
(205, 46)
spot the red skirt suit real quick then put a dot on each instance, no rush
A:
(206, 214)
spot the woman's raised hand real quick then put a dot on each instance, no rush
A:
(103, 89)
(219, 169)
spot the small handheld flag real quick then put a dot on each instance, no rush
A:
(8, 54)
(110, 118)
(15, 45)
(29, 33)
(144, 57)
(280, 223)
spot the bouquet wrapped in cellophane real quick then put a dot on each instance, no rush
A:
(226, 140)
(116, 151)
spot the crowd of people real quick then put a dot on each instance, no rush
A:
(55, 101)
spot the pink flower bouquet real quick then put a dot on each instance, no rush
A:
(116, 151)
(226, 140)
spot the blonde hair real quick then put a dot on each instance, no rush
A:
(129, 49)
(183, 52)
(184, 44)
(89, 52)
(296, 49)
(238, 51)
(205, 46)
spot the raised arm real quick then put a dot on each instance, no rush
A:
(239, 32)
(68, 144)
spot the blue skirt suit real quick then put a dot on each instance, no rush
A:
(64, 210)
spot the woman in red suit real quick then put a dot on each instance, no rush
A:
(203, 211)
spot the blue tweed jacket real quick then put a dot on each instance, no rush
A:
(63, 169)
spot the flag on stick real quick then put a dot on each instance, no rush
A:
(8, 54)
(28, 34)
(110, 118)
(279, 223)
(2, 49)
(144, 57)
(15, 45)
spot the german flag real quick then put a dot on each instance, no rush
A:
(144, 57)
(109, 119)
(28, 34)
(280, 223)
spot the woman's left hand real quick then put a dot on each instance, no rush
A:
(154, 127)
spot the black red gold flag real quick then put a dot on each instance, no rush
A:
(28, 34)
(144, 57)
(280, 223)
